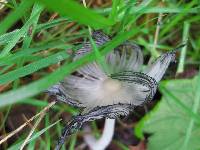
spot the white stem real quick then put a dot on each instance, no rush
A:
(105, 139)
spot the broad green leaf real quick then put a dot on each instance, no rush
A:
(172, 126)
(75, 11)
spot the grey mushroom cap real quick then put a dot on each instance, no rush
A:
(125, 83)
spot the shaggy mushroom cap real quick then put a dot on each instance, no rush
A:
(91, 86)
(113, 92)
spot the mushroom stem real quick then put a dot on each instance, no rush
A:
(105, 139)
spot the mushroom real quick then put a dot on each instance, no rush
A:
(109, 94)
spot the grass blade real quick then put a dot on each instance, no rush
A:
(186, 29)
(21, 32)
(33, 67)
(15, 15)
(176, 19)
(35, 136)
(37, 9)
(75, 11)
(13, 58)
(7, 37)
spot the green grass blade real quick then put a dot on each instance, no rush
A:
(13, 58)
(35, 136)
(75, 11)
(152, 9)
(100, 58)
(47, 134)
(15, 15)
(37, 9)
(165, 10)
(31, 145)
(39, 103)
(51, 24)
(3, 70)
(186, 29)
(33, 67)
(22, 32)
(72, 142)
(7, 37)
(176, 19)
(113, 14)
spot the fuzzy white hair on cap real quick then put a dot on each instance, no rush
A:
(109, 95)
(91, 86)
